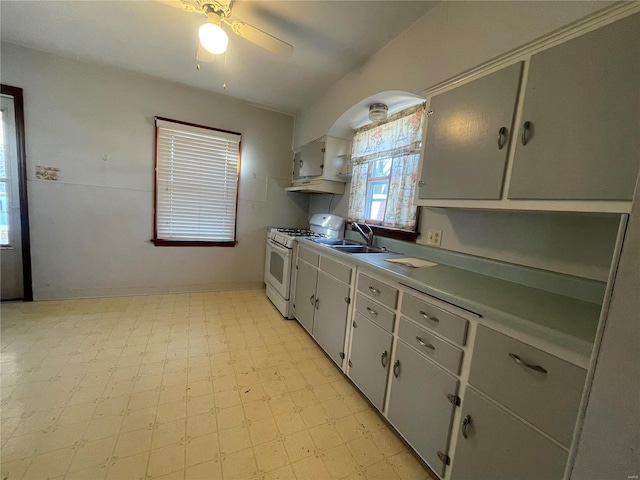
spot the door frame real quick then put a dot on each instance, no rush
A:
(18, 104)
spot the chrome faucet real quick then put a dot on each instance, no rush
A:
(367, 236)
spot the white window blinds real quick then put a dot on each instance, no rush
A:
(196, 183)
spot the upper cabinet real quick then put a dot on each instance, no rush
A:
(466, 144)
(559, 129)
(580, 129)
(309, 160)
(317, 166)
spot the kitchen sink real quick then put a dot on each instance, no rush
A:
(359, 249)
(335, 242)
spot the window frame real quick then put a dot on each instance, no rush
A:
(160, 242)
(367, 156)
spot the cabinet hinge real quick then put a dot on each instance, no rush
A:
(341, 354)
(347, 299)
(454, 399)
(444, 458)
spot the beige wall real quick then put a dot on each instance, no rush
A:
(90, 231)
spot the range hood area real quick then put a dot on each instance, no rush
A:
(317, 186)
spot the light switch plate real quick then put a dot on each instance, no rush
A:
(434, 238)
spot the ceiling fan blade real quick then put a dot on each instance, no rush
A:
(203, 55)
(260, 38)
(183, 5)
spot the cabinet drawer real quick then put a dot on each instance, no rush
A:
(308, 256)
(382, 292)
(429, 345)
(375, 312)
(440, 321)
(539, 387)
(497, 446)
(338, 270)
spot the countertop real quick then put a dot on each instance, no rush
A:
(561, 320)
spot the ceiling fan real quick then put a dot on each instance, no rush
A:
(214, 40)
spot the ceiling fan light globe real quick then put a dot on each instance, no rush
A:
(213, 38)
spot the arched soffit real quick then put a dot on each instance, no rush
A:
(358, 114)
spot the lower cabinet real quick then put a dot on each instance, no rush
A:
(330, 323)
(305, 294)
(418, 405)
(492, 444)
(369, 359)
(321, 301)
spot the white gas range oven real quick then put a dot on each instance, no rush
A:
(279, 260)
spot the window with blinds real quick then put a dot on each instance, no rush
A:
(197, 170)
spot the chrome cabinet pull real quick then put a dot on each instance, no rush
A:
(317, 303)
(502, 135)
(396, 368)
(312, 299)
(425, 345)
(466, 421)
(424, 314)
(372, 312)
(383, 359)
(375, 291)
(525, 132)
(519, 361)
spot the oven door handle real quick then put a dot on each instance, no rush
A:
(279, 247)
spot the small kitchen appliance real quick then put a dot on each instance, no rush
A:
(279, 274)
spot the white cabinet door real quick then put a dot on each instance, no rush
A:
(467, 139)
(332, 307)
(305, 296)
(582, 112)
(418, 404)
(311, 159)
(369, 359)
(494, 445)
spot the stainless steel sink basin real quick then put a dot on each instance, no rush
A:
(359, 249)
(334, 241)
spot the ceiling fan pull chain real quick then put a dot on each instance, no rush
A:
(224, 80)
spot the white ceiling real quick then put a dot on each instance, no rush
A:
(330, 39)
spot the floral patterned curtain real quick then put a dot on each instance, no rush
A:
(399, 139)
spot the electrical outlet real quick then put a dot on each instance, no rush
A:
(434, 237)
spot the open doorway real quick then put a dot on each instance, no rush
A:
(15, 251)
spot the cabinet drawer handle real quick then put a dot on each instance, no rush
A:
(425, 345)
(312, 299)
(350, 364)
(383, 359)
(502, 135)
(355, 325)
(466, 421)
(375, 291)
(519, 361)
(525, 132)
(372, 312)
(427, 317)
(396, 368)
(317, 303)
